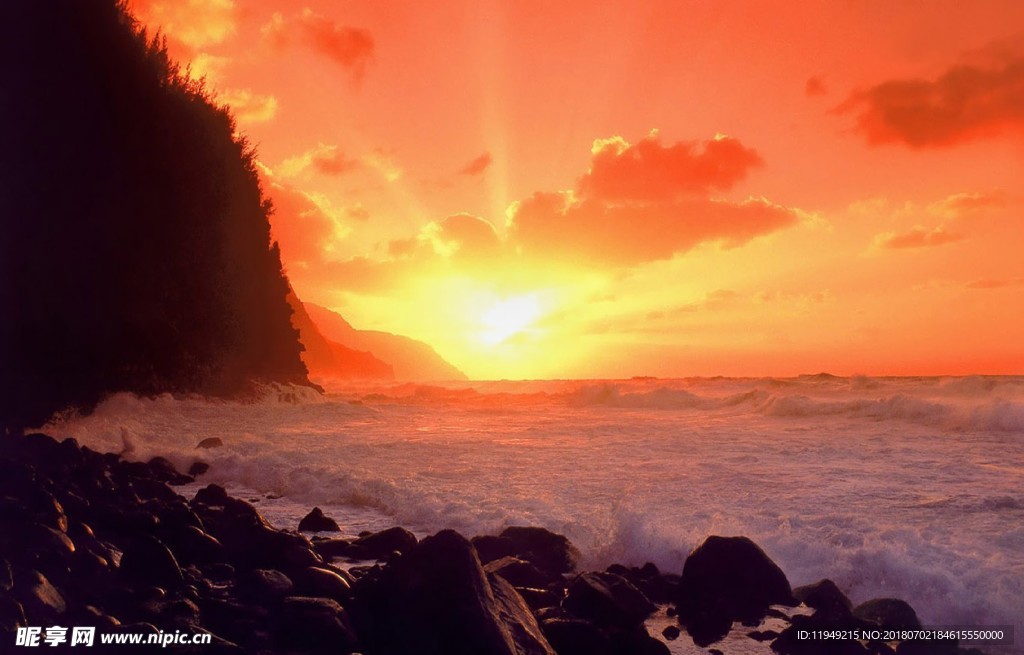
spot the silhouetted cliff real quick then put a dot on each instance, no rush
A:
(135, 248)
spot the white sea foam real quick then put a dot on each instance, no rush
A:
(890, 486)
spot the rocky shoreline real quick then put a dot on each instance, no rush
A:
(90, 539)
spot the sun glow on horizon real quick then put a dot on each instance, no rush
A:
(509, 317)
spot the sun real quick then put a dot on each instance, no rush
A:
(508, 317)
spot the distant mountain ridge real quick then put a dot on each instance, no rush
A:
(411, 360)
(326, 358)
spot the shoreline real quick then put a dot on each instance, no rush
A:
(95, 540)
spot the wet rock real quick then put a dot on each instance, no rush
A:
(164, 471)
(315, 521)
(193, 546)
(576, 637)
(660, 588)
(521, 573)
(517, 617)
(671, 632)
(544, 549)
(265, 584)
(149, 562)
(824, 597)
(707, 625)
(12, 615)
(538, 599)
(379, 545)
(437, 599)
(323, 583)
(888, 613)
(730, 578)
(236, 621)
(40, 599)
(608, 600)
(331, 548)
(211, 494)
(210, 442)
(198, 468)
(317, 624)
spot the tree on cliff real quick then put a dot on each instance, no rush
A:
(135, 247)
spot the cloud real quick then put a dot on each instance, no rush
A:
(958, 216)
(650, 171)
(647, 201)
(477, 166)
(917, 237)
(960, 205)
(969, 101)
(358, 212)
(352, 48)
(302, 223)
(560, 225)
(205, 66)
(602, 222)
(988, 284)
(195, 23)
(323, 158)
(815, 86)
(249, 107)
(464, 236)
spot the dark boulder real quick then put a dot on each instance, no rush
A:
(41, 601)
(824, 597)
(521, 573)
(576, 637)
(544, 549)
(315, 521)
(265, 584)
(660, 588)
(730, 578)
(517, 618)
(198, 468)
(323, 583)
(210, 442)
(193, 546)
(888, 613)
(379, 545)
(12, 616)
(608, 600)
(149, 562)
(437, 599)
(331, 548)
(249, 541)
(164, 471)
(319, 625)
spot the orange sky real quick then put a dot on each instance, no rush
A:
(545, 189)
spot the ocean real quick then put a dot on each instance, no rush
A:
(901, 487)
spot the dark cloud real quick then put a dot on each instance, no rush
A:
(477, 166)
(350, 47)
(815, 86)
(561, 226)
(650, 171)
(967, 102)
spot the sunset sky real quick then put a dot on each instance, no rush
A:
(601, 189)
